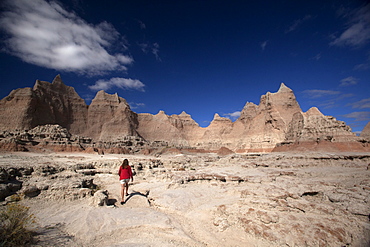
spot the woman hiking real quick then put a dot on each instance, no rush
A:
(125, 174)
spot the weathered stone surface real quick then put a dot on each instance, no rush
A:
(275, 199)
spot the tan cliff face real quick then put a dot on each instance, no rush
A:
(109, 117)
(277, 119)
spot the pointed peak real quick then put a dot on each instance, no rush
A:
(217, 117)
(117, 97)
(101, 92)
(314, 111)
(284, 88)
(249, 104)
(161, 112)
(184, 114)
(57, 80)
(102, 95)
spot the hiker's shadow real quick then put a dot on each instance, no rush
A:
(136, 193)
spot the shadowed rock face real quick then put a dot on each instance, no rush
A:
(58, 103)
(277, 119)
(46, 103)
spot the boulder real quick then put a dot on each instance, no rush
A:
(100, 198)
(31, 191)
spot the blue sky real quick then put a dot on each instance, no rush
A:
(202, 57)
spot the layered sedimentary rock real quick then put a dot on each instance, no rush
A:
(314, 126)
(110, 117)
(267, 123)
(275, 121)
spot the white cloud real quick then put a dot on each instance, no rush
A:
(45, 34)
(297, 23)
(128, 84)
(317, 93)
(233, 115)
(348, 81)
(357, 32)
(362, 104)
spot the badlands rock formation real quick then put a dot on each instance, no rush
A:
(276, 123)
(45, 103)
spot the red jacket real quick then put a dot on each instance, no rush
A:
(125, 173)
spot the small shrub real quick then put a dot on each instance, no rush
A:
(14, 221)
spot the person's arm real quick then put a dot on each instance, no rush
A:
(132, 177)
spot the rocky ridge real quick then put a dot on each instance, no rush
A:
(277, 121)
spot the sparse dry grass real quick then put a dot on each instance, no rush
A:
(15, 221)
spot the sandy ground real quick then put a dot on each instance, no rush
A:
(206, 200)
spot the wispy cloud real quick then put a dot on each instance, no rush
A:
(358, 116)
(363, 66)
(128, 84)
(142, 24)
(297, 23)
(317, 57)
(45, 34)
(348, 81)
(134, 105)
(362, 104)
(233, 115)
(317, 93)
(151, 48)
(263, 45)
(357, 32)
